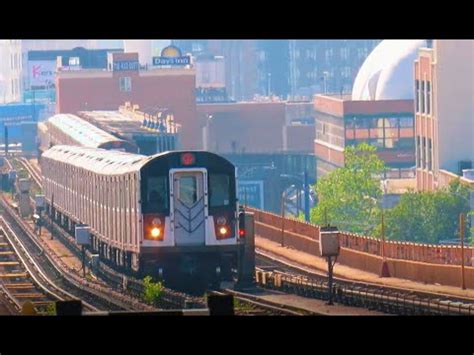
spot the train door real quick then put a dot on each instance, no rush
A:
(189, 207)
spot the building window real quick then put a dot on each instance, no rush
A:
(423, 153)
(74, 61)
(417, 95)
(418, 152)
(428, 158)
(125, 84)
(428, 98)
(196, 47)
(422, 97)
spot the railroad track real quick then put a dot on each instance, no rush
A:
(99, 296)
(250, 304)
(22, 279)
(289, 277)
(32, 170)
(171, 299)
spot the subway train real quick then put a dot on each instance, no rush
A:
(174, 213)
(68, 129)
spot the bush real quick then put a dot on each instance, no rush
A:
(152, 291)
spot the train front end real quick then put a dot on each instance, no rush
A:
(190, 217)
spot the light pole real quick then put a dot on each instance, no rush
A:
(385, 271)
(269, 83)
(283, 218)
(461, 235)
(325, 78)
(206, 131)
(304, 182)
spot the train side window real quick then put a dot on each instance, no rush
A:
(219, 190)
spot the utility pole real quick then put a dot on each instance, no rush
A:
(6, 140)
(461, 234)
(385, 272)
(51, 216)
(306, 196)
(330, 280)
(283, 218)
(269, 83)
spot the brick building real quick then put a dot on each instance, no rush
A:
(125, 81)
(257, 127)
(386, 124)
(444, 112)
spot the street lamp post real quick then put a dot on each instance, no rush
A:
(461, 235)
(325, 78)
(283, 218)
(269, 83)
(304, 182)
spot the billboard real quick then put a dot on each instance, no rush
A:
(250, 192)
(42, 73)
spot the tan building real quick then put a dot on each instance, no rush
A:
(444, 112)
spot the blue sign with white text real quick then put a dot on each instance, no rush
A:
(126, 66)
(184, 60)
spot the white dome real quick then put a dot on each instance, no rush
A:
(387, 73)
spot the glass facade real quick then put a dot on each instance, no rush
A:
(385, 133)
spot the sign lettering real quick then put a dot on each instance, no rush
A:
(184, 60)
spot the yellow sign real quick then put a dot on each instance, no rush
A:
(171, 52)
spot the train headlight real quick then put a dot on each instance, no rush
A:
(223, 231)
(154, 227)
(155, 232)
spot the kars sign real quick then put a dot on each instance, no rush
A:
(42, 73)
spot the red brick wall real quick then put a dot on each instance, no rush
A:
(328, 154)
(375, 107)
(418, 262)
(175, 92)
(339, 107)
(270, 225)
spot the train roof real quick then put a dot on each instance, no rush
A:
(83, 132)
(111, 162)
(99, 161)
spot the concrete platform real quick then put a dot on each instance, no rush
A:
(320, 306)
(318, 264)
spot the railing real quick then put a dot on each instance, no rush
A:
(429, 253)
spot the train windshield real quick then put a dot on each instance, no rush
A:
(188, 189)
(157, 194)
(219, 190)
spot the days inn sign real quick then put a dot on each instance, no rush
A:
(171, 55)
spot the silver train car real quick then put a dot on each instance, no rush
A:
(68, 129)
(175, 212)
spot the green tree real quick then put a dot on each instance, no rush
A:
(152, 290)
(428, 217)
(348, 196)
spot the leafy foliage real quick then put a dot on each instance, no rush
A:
(428, 217)
(152, 291)
(348, 196)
